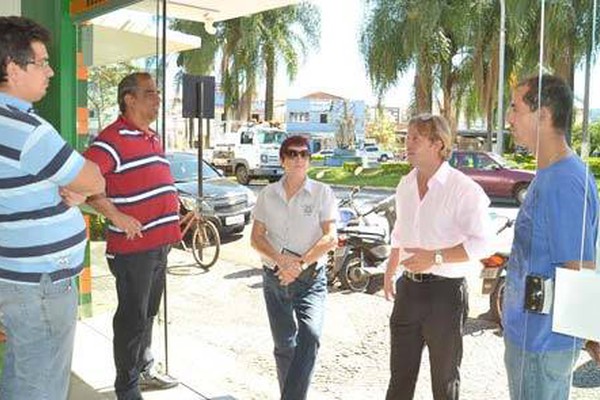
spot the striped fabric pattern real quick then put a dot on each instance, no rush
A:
(139, 184)
(38, 232)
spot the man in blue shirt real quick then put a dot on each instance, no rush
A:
(556, 227)
(42, 238)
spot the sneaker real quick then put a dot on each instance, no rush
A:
(156, 381)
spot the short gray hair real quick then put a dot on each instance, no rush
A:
(128, 85)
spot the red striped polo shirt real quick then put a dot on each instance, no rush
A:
(139, 183)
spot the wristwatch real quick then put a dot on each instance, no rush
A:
(438, 259)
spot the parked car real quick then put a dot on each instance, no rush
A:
(493, 173)
(374, 153)
(226, 203)
(324, 152)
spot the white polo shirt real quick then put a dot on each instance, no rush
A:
(453, 211)
(295, 224)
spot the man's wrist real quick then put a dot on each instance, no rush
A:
(438, 258)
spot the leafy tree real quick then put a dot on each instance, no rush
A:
(593, 134)
(429, 35)
(345, 133)
(284, 35)
(250, 48)
(567, 28)
(382, 129)
(102, 90)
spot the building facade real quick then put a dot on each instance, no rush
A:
(321, 115)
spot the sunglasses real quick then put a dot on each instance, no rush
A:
(296, 153)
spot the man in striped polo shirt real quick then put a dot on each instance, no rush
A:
(143, 208)
(42, 238)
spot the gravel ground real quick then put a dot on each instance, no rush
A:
(220, 343)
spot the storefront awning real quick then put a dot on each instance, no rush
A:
(126, 35)
(214, 10)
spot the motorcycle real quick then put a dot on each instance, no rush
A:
(363, 246)
(494, 276)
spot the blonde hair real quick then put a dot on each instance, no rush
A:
(434, 127)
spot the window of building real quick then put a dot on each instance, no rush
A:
(323, 118)
(299, 117)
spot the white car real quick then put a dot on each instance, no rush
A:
(374, 154)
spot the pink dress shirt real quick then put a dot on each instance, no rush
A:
(453, 211)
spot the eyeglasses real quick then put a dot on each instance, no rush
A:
(150, 92)
(43, 63)
(296, 153)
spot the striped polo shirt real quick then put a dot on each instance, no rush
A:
(39, 233)
(139, 183)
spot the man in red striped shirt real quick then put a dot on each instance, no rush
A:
(141, 204)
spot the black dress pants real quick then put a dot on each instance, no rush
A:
(140, 281)
(429, 313)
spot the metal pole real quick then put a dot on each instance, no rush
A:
(500, 116)
(163, 65)
(585, 141)
(200, 111)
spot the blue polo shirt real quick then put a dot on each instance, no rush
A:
(39, 233)
(550, 230)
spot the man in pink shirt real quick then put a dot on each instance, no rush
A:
(441, 231)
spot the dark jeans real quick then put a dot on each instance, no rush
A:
(296, 340)
(140, 281)
(432, 314)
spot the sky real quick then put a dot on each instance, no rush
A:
(337, 67)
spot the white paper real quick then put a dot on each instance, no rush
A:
(577, 303)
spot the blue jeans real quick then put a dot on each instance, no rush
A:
(40, 322)
(534, 376)
(296, 340)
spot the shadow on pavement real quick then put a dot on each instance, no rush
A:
(587, 375)
(188, 269)
(246, 273)
(257, 285)
(475, 326)
(231, 238)
(81, 390)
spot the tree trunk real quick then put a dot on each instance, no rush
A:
(270, 83)
(423, 84)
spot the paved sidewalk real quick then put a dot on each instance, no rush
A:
(93, 371)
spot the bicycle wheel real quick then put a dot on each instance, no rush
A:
(206, 244)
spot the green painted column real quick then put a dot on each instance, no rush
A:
(59, 105)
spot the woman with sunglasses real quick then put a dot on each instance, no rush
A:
(294, 228)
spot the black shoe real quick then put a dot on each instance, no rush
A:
(156, 381)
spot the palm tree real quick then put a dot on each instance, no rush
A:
(389, 47)
(285, 34)
(249, 47)
(567, 27)
(235, 43)
(567, 36)
(428, 35)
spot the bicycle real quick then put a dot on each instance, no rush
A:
(204, 238)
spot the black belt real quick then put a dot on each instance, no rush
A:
(414, 277)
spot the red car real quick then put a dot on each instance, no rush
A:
(493, 173)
